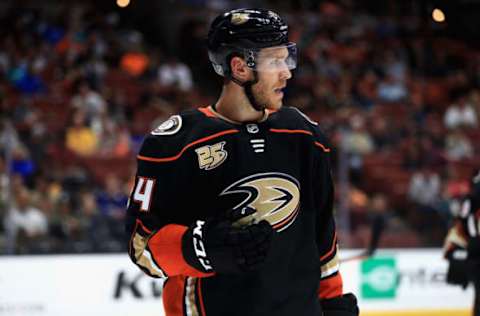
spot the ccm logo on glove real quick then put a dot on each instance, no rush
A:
(199, 246)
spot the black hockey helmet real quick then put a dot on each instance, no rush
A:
(245, 32)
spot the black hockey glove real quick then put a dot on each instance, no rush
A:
(457, 273)
(345, 305)
(217, 246)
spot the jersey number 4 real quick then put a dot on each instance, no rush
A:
(143, 193)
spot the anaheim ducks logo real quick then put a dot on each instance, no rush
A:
(169, 127)
(274, 196)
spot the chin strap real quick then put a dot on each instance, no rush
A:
(247, 86)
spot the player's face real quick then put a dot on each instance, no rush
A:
(273, 73)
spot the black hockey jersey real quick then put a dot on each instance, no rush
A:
(199, 164)
(465, 234)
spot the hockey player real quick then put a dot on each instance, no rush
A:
(462, 245)
(232, 203)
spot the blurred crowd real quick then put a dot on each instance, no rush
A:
(79, 90)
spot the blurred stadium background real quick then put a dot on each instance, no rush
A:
(394, 84)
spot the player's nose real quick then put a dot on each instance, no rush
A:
(285, 74)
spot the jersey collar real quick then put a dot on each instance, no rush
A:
(210, 111)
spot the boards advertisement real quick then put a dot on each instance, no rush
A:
(399, 280)
(394, 282)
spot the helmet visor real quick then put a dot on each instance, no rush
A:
(273, 59)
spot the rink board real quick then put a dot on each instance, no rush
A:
(394, 283)
(405, 280)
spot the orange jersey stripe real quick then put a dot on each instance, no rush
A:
(198, 141)
(207, 111)
(300, 131)
(139, 222)
(291, 131)
(331, 287)
(325, 149)
(334, 245)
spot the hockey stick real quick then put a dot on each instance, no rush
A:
(378, 226)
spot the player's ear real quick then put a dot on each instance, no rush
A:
(239, 68)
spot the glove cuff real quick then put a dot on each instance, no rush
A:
(165, 247)
(193, 247)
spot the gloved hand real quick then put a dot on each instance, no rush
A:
(345, 305)
(215, 245)
(457, 273)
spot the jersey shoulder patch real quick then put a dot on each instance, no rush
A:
(169, 127)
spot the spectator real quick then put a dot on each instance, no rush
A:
(66, 227)
(9, 138)
(95, 231)
(358, 141)
(358, 205)
(455, 184)
(382, 212)
(22, 163)
(80, 138)
(391, 89)
(411, 154)
(112, 199)
(461, 114)
(175, 74)
(458, 146)
(26, 80)
(135, 63)
(4, 186)
(395, 67)
(425, 187)
(384, 137)
(431, 153)
(115, 140)
(111, 202)
(24, 224)
(89, 101)
(365, 91)
(425, 211)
